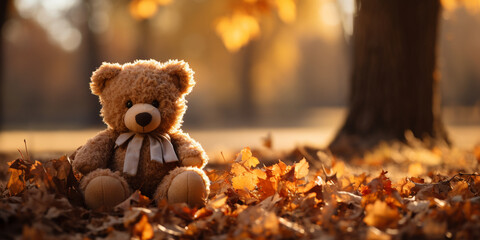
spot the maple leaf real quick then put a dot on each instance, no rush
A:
(380, 183)
(246, 158)
(246, 181)
(237, 169)
(279, 169)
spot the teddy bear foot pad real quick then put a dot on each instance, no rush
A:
(188, 187)
(105, 192)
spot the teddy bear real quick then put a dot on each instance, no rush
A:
(143, 147)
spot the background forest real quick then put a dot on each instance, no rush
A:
(288, 69)
(259, 64)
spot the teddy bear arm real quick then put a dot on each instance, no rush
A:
(190, 152)
(95, 153)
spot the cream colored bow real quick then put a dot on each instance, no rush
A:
(161, 149)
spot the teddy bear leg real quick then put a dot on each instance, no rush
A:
(185, 184)
(103, 188)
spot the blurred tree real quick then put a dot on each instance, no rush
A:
(238, 30)
(143, 11)
(394, 84)
(4, 6)
(92, 61)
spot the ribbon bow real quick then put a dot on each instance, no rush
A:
(161, 149)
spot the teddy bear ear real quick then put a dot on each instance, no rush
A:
(105, 72)
(181, 74)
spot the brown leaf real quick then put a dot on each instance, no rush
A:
(16, 183)
(380, 215)
(136, 199)
(267, 187)
(290, 175)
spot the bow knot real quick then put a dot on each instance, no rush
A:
(161, 149)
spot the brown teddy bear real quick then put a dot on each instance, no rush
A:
(143, 147)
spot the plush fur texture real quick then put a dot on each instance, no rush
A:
(150, 82)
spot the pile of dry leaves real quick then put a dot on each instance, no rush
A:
(249, 200)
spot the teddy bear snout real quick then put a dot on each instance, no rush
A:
(142, 118)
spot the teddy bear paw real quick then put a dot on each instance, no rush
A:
(105, 191)
(188, 187)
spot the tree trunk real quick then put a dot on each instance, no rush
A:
(247, 103)
(92, 62)
(4, 5)
(143, 45)
(394, 85)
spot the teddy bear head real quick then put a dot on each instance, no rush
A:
(143, 97)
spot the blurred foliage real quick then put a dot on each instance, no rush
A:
(237, 29)
(473, 6)
(143, 9)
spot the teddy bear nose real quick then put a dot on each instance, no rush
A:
(143, 119)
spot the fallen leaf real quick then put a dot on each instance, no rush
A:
(143, 229)
(380, 215)
(301, 169)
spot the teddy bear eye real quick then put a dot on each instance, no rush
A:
(155, 103)
(129, 104)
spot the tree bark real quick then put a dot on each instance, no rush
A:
(4, 5)
(394, 84)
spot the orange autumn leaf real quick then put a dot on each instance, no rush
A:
(16, 183)
(301, 169)
(247, 159)
(143, 229)
(266, 187)
(381, 215)
(246, 180)
(251, 162)
(259, 173)
(476, 152)
(237, 169)
(279, 169)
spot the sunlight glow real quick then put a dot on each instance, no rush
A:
(472, 6)
(237, 30)
(329, 21)
(329, 14)
(347, 11)
(53, 16)
(287, 10)
(144, 9)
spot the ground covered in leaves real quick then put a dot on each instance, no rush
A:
(397, 191)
